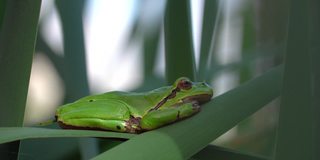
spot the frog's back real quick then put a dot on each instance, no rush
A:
(97, 109)
(135, 102)
(108, 95)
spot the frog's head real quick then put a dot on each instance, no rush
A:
(185, 90)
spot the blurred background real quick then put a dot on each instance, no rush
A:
(123, 49)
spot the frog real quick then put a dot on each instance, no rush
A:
(135, 112)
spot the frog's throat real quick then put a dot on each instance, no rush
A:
(165, 99)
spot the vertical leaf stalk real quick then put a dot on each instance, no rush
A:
(179, 51)
(295, 139)
(17, 43)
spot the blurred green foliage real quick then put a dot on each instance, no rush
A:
(266, 34)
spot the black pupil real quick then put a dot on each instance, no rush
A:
(186, 84)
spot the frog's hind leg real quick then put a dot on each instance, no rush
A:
(158, 118)
(111, 114)
(94, 124)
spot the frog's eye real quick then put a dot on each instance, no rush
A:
(184, 84)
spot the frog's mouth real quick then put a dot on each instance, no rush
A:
(200, 98)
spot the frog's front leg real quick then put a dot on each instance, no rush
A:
(158, 118)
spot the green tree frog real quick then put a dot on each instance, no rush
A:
(135, 112)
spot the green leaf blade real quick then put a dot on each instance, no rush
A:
(8, 134)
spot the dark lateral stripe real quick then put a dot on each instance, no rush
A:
(163, 101)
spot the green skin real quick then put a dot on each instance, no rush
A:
(135, 112)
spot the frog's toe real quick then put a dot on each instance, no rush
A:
(195, 106)
(133, 125)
